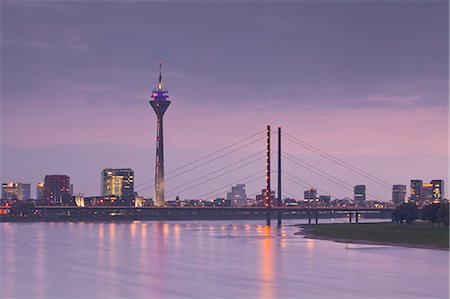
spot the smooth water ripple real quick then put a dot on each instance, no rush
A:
(206, 259)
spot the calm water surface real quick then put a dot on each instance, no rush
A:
(206, 259)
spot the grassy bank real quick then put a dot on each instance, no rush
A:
(415, 235)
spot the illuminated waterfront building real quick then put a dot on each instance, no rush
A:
(416, 191)
(360, 193)
(119, 183)
(79, 201)
(57, 188)
(15, 191)
(438, 190)
(398, 194)
(40, 191)
(160, 103)
(427, 194)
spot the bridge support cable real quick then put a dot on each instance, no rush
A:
(317, 169)
(220, 169)
(171, 191)
(325, 175)
(204, 163)
(290, 194)
(302, 183)
(210, 155)
(346, 186)
(217, 158)
(338, 161)
(213, 172)
(212, 197)
(235, 182)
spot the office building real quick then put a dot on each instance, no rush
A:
(15, 191)
(398, 194)
(57, 188)
(360, 193)
(427, 194)
(119, 183)
(325, 199)
(438, 191)
(40, 191)
(416, 191)
(310, 194)
(237, 195)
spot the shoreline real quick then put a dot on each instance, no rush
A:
(307, 234)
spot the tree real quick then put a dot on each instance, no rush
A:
(430, 213)
(442, 214)
(406, 212)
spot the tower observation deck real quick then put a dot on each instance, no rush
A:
(160, 103)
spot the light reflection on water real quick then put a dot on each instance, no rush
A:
(206, 259)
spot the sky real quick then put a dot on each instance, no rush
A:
(366, 81)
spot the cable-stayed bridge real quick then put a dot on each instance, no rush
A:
(190, 184)
(193, 178)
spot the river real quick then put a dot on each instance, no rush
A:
(207, 259)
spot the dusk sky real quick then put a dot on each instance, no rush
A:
(365, 81)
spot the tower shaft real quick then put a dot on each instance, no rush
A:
(159, 166)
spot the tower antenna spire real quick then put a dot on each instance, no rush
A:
(160, 76)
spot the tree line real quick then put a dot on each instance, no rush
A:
(435, 213)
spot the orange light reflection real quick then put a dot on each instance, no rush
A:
(267, 271)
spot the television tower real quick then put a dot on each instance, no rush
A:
(160, 105)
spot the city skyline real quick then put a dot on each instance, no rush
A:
(313, 88)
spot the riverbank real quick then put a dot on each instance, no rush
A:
(418, 235)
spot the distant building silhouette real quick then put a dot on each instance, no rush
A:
(57, 188)
(15, 191)
(325, 199)
(40, 191)
(119, 183)
(398, 194)
(310, 194)
(360, 193)
(237, 195)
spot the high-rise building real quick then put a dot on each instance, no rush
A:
(40, 191)
(325, 199)
(16, 191)
(160, 105)
(57, 188)
(360, 192)
(118, 182)
(438, 190)
(398, 194)
(416, 191)
(310, 194)
(237, 195)
(427, 194)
